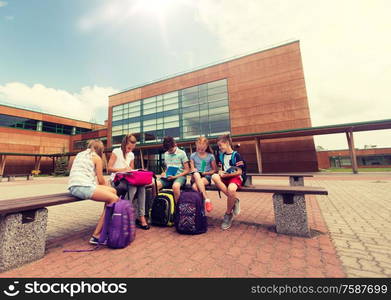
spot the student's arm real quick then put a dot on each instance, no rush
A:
(112, 160)
(237, 173)
(99, 169)
(132, 164)
(186, 170)
(192, 166)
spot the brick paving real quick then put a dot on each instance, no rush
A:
(358, 215)
(350, 227)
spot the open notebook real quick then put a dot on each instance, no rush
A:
(171, 171)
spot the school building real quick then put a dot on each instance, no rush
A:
(366, 158)
(32, 140)
(260, 99)
(261, 92)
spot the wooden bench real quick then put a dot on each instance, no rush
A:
(294, 178)
(11, 177)
(289, 204)
(23, 224)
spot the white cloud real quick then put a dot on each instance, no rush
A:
(3, 3)
(344, 45)
(89, 103)
(9, 18)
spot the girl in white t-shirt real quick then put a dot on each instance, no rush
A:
(122, 160)
(86, 181)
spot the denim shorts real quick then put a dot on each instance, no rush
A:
(207, 177)
(81, 191)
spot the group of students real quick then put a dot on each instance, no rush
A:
(86, 179)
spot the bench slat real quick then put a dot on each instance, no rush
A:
(28, 203)
(281, 174)
(280, 189)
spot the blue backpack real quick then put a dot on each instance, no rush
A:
(233, 162)
(190, 215)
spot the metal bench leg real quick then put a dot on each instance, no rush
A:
(291, 215)
(22, 238)
(248, 181)
(296, 180)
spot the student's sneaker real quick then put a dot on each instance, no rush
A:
(208, 205)
(94, 240)
(227, 221)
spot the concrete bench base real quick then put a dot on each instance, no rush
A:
(22, 238)
(291, 215)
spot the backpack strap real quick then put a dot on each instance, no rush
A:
(104, 233)
(221, 157)
(233, 159)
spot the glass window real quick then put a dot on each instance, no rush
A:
(174, 132)
(171, 95)
(190, 99)
(117, 139)
(219, 110)
(135, 105)
(190, 90)
(217, 90)
(116, 118)
(170, 119)
(222, 82)
(201, 109)
(149, 100)
(117, 108)
(217, 97)
(171, 124)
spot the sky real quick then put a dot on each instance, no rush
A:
(67, 57)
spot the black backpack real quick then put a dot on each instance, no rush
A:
(163, 209)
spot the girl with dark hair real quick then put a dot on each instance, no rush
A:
(122, 160)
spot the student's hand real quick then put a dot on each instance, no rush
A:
(127, 169)
(194, 170)
(222, 174)
(172, 177)
(163, 175)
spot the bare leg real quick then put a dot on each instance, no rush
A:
(232, 188)
(200, 182)
(103, 194)
(176, 188)
(219, 184)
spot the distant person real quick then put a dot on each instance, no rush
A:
(122, 160)
(86, 169)
(203, 166)
(177, 167)
(230, 178)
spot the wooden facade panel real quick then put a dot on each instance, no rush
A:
(265, 81)
(284, 105)
(269, 53)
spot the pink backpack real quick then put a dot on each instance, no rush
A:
(137, 177)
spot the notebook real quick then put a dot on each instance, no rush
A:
(171, 171)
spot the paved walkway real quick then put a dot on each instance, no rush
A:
(351, 237)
